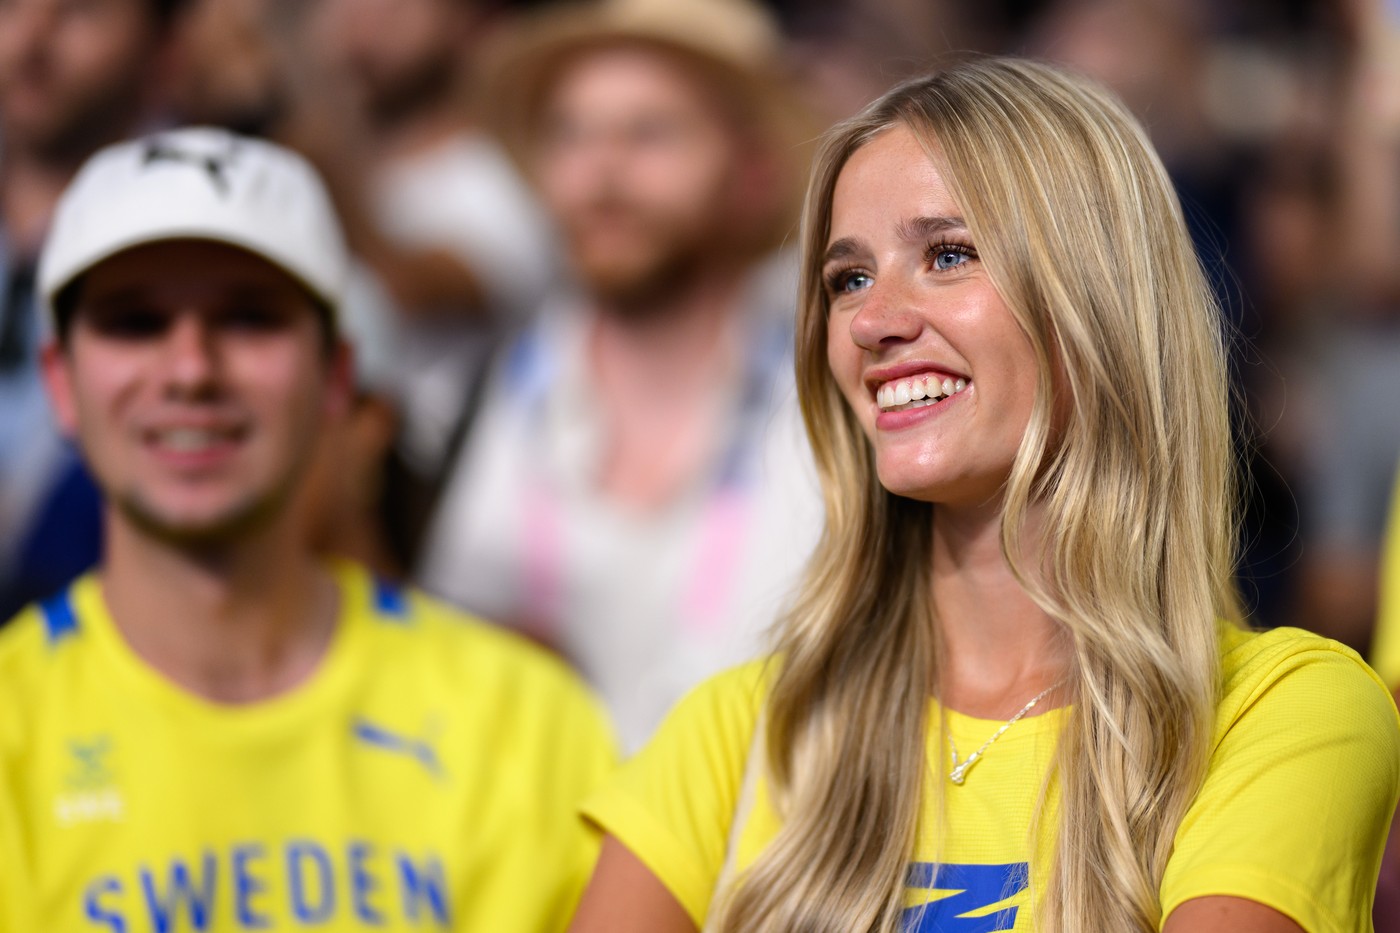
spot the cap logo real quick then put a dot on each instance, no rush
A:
(213, 164)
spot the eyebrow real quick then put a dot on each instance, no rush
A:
(911, 229)
(921, 228)
(841, 249)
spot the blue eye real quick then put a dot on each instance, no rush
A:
(945, 259)
(845, 281)
(854, 282)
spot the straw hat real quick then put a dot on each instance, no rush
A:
(736, 43)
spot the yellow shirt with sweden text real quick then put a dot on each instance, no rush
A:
(1303, 779)
(425, 777)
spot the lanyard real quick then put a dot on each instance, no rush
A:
(708, 586)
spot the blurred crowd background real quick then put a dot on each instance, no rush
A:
(573, 306)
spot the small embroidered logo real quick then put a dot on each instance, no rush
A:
(90, 795)
(214, 165)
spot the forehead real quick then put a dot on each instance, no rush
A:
(189, 269)
(625, 78)
(889, 181)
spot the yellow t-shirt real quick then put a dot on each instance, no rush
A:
(1385, 646)
(1303, 778)
(425, 777)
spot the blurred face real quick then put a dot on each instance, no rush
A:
(638, 166)
(73, 72)
(399, 55)
(230, 69)
(925, 351)
(196, 380)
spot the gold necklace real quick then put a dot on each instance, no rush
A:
(959, 773)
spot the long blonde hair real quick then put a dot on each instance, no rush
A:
(1077, 225)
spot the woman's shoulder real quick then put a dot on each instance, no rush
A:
(1289, 672)
(725, 706)
(1301, 783)
(673, 803)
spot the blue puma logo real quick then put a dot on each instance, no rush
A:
(420, 750)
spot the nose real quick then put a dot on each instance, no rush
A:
(585, 156)
(191, 358)
(887, 316)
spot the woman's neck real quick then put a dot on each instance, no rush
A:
(998, 648)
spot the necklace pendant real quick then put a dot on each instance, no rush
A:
(959, 773)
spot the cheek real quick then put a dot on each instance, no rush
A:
(99, 411)
(836, 356)
(682, 181)
(844, 359)
(1020, 398)
(101, 387)
(283, 385)
(105, 45)
(567, 172)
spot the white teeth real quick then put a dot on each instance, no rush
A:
(916, 393)
(187, 439)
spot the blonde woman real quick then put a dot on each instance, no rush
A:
(1014, 693)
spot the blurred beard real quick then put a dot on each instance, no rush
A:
(72, 126)
(252, 116)
(233, 524)
(391, 99)
(655, 260)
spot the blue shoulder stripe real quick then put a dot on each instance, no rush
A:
(59, 620)
(390, 599)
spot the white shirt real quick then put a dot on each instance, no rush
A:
(647, 604)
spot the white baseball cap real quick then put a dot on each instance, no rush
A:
(198, 183)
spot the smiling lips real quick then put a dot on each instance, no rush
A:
(193, 441)
(917, 392)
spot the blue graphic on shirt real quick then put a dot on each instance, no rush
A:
(421, 750)
(253, 886)
(390, 600)
(60, 621)
(975, 889)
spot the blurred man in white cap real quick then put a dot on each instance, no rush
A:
(216, 731)
(636, 490)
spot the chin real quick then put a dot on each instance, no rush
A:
(916, 491)
(207, 526)
(905, 476)
(959, 491)
(618, 270)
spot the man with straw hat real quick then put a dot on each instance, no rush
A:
(635, 490)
